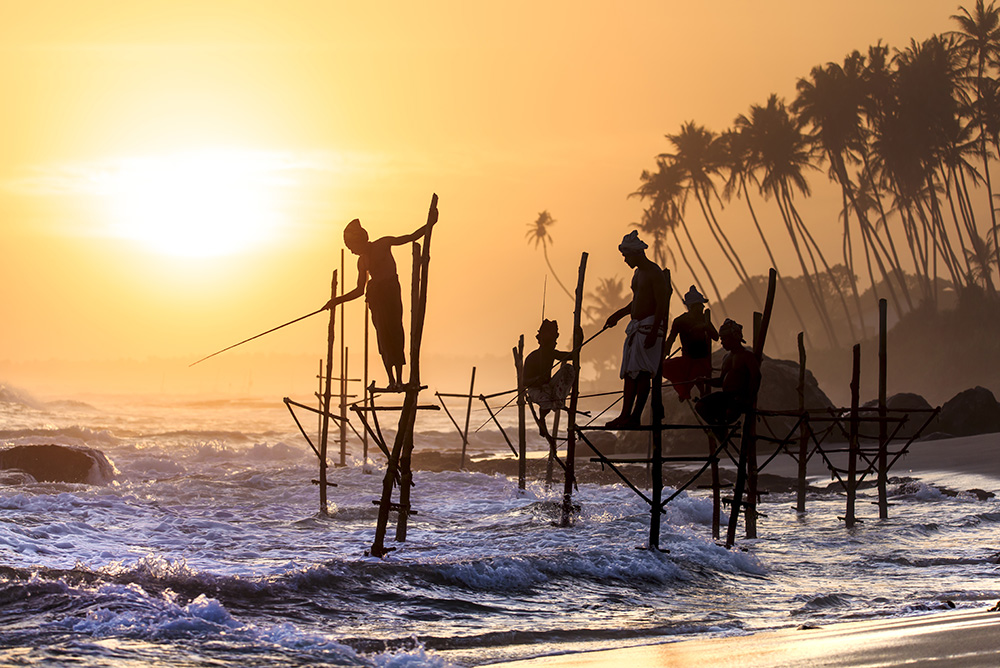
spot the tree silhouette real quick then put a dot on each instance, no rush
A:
(538, 232)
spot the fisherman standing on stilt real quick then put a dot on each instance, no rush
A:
(379, 282)
(642, 354)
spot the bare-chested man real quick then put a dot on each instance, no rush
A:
(739, 380)
(642, 353)
(378, 281)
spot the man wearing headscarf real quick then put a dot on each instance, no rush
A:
(545, 390)
(739, 379)
(642, 353)
(379, 282)
(696, 331)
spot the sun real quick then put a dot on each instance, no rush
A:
(195, 204)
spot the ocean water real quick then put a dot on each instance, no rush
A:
(207, 548)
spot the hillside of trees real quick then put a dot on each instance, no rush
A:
(909, 138)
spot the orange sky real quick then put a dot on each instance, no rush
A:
(308, 114)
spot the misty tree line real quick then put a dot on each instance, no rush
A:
(907, 135)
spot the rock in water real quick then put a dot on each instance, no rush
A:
(59, 463)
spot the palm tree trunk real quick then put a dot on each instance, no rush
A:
(704, 266)
(818, 303)
(545, 253)
(774, 262)
(808, 239)
(741, 271)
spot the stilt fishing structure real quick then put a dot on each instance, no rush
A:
(738, 441)
(398, 467)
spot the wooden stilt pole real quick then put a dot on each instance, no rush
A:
(402, 447)
(553, 440)
(656, 460)
(365, 402)
(852, 458)
(421, 263)
(713, 445)
(800, 492)
(468, 414)
(567, 506)
(343, 375)
(327, 392)
(883, 427)
(522, 447)
(748, 442)
(343, 407)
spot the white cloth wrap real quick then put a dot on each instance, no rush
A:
(636, 357)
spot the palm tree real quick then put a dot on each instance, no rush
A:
(780, 153)
(979, 40)
(538, 232)
(664, 188)
(741, 170)
(700, 155)
(831, 102)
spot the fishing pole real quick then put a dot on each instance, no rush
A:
(292, 322)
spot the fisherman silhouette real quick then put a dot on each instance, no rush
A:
(739, 379)
(379, 282)
(546, 391)
(694, 327)
(642, 353)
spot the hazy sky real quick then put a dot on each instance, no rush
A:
(175, 176)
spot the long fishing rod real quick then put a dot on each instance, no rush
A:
(291, 322)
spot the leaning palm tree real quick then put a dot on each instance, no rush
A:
(741, 171)
(664, 188)
(538, 232)
(780, 153)
(700, 155)
(979, 40)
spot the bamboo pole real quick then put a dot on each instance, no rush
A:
(713, 445)
(553, 448)
(852, 458)
(748, 442)
(522, 437)
(656, 472)
(343, 372)
(800, 492)
(567, 506)
(883, 427)
(325, 431)
(365, 401)
(468, 414)
(402, 448)
(421, 264)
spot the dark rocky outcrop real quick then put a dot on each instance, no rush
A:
(912, 406)
(970, 412)
(59, 463)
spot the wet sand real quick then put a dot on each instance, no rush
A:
(955, 638)
(960, 638)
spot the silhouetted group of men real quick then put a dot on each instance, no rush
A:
(644, 352)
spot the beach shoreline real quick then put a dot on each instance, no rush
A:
(963, 638)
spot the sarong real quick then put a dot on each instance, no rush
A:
(682, 372)
(386, 306)
(552, 395)
(636, 357)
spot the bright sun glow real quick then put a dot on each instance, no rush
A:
(196, 204)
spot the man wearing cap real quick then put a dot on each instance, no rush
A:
(546, 391)
(696, 331)
(739, 379)
(379, 282)
(642, 354)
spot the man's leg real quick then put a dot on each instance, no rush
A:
(642, 385)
